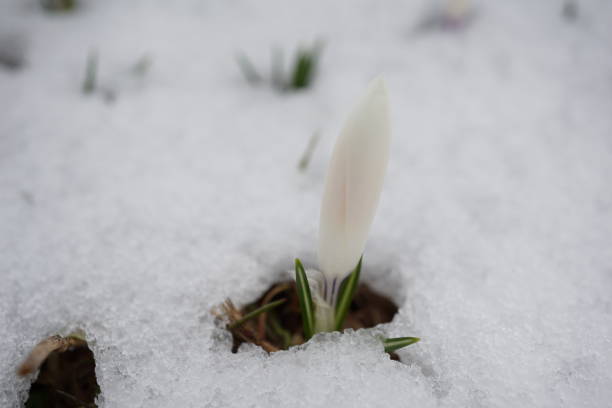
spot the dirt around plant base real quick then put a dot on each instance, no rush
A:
(281, 327)
(67, 377)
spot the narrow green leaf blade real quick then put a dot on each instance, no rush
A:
(91, 71)
(397, 343)
(306, 305)
(248, 69)
(281, 332)
(257, 312)
(347, 291)
(302, 71)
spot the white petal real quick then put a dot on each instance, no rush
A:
(353, 183)
(316, 282)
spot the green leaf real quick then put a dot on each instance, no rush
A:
(305, 65)
(312, 143)
(91, 70)
(257, 312)
(306, 306)
(142, 65)
(397, 343)
(345, 296)
(59, 5)
(248, 69)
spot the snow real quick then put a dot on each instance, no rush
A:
(132, 219)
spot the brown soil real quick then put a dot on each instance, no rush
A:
(281, 327)
(67, 377)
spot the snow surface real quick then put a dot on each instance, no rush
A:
(132, 219)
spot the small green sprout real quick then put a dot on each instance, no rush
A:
(59, 5)
(570, 10)
(305, 65)
(397, 343)
(300, 76)
(312, 144)
(91, 73)
(142, 65)
(248, 69)
(449, 15)
(109, 90)
(12, 51)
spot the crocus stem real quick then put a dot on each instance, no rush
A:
(324, 318)
(326, 313)
(330, 291)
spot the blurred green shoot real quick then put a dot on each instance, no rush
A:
(312, 143)
(397, 343)
(305, 65)
(248, 69)
(570, 10)
(257, 312)
(142, 65)
(91, 71)
(12, 50)
(300, 76)
(345, 296)
(305, 300)
(59, 5)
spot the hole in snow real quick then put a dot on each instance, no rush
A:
(67, 376)
(281, 327)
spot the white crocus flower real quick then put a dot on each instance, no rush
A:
(352, 189)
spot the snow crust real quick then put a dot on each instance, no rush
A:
(132, 219)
